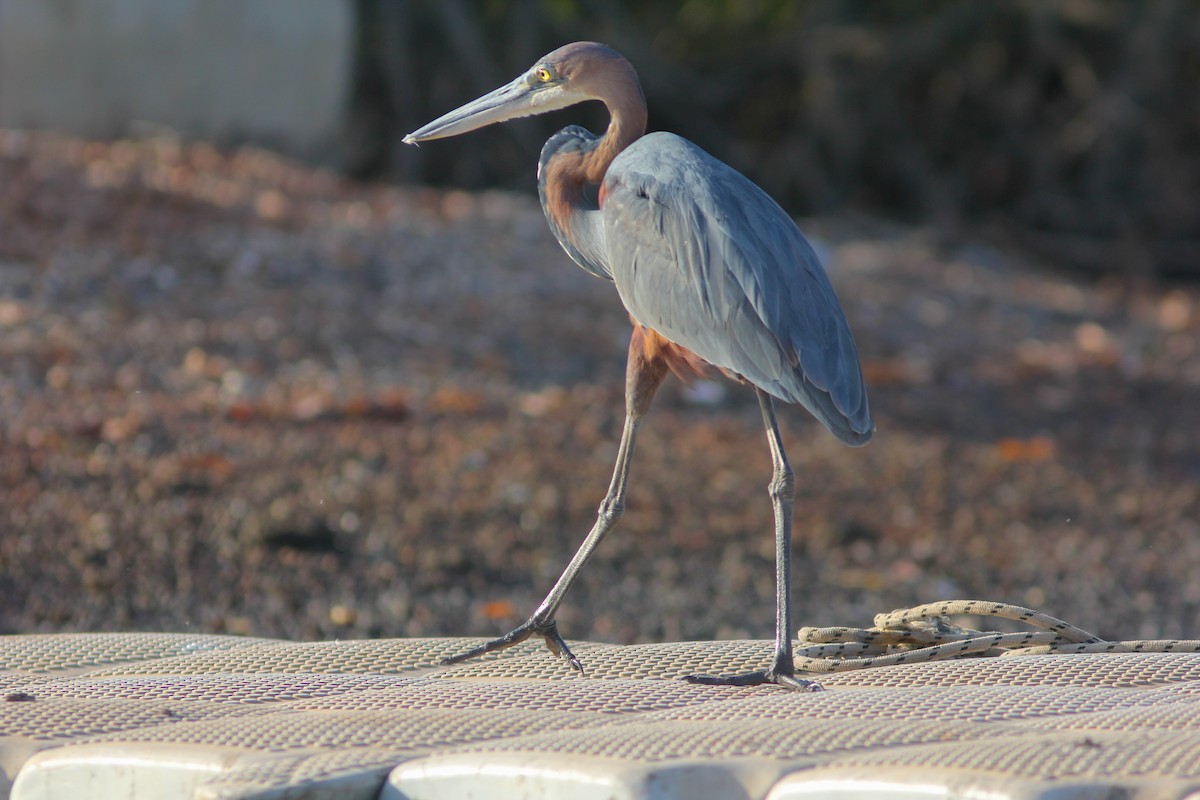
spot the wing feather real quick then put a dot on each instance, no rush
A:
(706, 258)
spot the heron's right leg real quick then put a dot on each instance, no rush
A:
(642, 378)
(782, 671)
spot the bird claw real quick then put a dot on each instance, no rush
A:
(547, 630)
(760, 677)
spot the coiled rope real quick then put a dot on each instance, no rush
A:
(925, 633)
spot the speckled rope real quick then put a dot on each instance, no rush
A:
(925, 633)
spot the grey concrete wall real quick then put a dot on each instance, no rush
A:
(271, 71)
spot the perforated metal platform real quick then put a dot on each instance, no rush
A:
(177, 716)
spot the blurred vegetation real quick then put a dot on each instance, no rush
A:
(1071, 127)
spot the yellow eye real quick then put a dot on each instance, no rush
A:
(543, 74)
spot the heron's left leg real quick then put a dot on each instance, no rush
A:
(643, 375)
(783, 491)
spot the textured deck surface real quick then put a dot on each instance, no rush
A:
(180, 716)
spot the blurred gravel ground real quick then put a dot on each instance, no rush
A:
(240, 395)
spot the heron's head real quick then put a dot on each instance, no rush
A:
(571, 74)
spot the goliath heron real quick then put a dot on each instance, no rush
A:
(712, 272)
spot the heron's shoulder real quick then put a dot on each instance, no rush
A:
(676, 172)
(663, 154)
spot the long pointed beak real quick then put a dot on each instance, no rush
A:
(516, 99)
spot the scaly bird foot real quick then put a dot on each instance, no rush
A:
(758, 678)
(547, 630)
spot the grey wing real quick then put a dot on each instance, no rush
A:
(706, 258)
